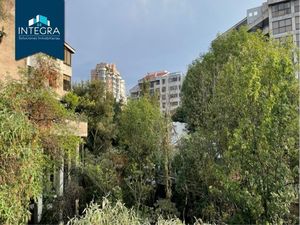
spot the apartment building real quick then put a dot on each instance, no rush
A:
(109, 74)
(166, 85)
(9, 69)
(276, 18)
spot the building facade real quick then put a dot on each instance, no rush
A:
(276, 18)
(109, 74)
(166, 85)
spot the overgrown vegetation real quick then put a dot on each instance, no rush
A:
(108, 214)
(238, 165)
(34, 138)
(240, 101)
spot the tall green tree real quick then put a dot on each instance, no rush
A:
(241, 99)
(96, 103)
(140, 138)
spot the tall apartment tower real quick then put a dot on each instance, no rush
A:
(276, 18)
(109, 74)
(166, 85)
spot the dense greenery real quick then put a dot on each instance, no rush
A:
(108, 214)
(21, 163)
(240, 101)
(237, 165)
(34, 138)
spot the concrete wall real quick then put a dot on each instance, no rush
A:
(8, 65)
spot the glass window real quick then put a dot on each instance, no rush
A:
(163, 89)
(67, 83)
(172, 88)
(281, 9)
(297, 22)
(173, 95)
(68, 57)
(297, 6)
(163, 97)
(163, 81)
(172, 79)
(282, 26)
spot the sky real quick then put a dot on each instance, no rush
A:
(142, 36)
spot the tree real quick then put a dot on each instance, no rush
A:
(97, 105)
(140, 138)
(241, 99)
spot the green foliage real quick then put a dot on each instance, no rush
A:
(71, 101)
(241, 98)
(34, 137)
(166, 209)
(102, 176)
(140, 138)
(108, 214)
(21, 165)
(97, 105)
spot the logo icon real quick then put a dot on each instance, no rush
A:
(39, 21)
(39, 28)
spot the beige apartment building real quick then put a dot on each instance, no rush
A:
(166, 85)
(112, 78)
(9, 69)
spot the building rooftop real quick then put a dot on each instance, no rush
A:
(153, 75)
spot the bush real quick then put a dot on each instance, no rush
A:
(109, 214)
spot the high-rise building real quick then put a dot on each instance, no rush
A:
(109, 74)
(166, 85)
(276, 18)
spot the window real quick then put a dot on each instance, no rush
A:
(163, 89)
(163, 81)
(297, 5)
(68, 57)
(297, 22)
(173, 88)
(30, 69)
(152, 84)
(174, 103)
(164, 105)
(172, 79)
(173, 95)
(281, 9)
(67, 83)
(157, 82)
(282, 26)
(298, 40)
(163, 97)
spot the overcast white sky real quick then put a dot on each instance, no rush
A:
(143, 36)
